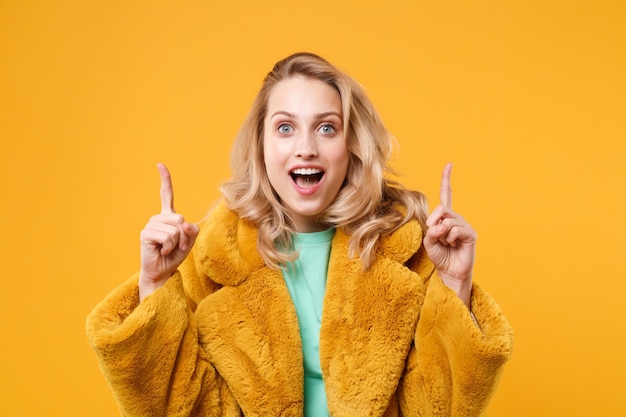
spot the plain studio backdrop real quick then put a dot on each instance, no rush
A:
(527, 98)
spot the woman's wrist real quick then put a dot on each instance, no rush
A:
(147, 286)
(462, 288)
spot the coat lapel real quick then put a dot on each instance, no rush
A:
(368, 325)
(249, 327)
(251, 335)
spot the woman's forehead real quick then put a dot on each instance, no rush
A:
(303, 95)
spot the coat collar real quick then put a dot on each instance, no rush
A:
(228, 254)
(251, 332)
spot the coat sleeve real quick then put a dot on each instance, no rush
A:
(150, 355)
(454, 365)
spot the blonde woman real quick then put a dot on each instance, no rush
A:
(317, 287)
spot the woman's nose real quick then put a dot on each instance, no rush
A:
(306, 145)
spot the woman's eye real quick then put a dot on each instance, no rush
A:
(285, 129)
(327, 129)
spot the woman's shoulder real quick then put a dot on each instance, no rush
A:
(225, 248)
(402, 243)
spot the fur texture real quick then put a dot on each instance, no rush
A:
(221, 337)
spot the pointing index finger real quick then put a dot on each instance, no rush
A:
(445, 193)
(167, 191)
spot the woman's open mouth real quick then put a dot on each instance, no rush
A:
(306, 177)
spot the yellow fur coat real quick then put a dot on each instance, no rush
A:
(221, 337)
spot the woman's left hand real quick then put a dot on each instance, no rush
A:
(451, 243)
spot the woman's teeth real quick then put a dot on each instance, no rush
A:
(306, 171)
(307, 177)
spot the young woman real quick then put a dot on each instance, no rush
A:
(317, 287)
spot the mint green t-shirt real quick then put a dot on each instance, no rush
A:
(306, 281)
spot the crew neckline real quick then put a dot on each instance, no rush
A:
(313, 237)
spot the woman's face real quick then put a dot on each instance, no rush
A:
(306, 154)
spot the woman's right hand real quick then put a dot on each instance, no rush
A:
(165, 241)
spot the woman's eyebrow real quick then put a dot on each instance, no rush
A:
(316, 116)
(326, 114)
(283, 113)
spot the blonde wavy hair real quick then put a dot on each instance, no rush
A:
(368, 206)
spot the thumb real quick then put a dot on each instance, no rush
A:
(433, 234)
(191, 230)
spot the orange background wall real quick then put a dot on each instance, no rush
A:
(527, 98)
